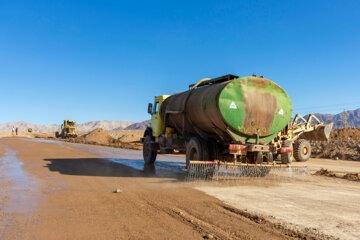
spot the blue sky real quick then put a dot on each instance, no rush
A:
(105, 60)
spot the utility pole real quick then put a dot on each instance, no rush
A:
(344, 119)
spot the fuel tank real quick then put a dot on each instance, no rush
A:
(247, 109)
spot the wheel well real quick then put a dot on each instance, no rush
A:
(148, 132)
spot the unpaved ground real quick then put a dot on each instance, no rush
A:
(68, 195)
(311, 203)
(316, 204)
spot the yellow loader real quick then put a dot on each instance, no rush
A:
(68, 130)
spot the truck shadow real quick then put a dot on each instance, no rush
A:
(115, 167)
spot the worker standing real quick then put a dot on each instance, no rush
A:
(13, 130)
(16, 130)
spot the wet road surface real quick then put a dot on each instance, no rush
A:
(73, 187)
(165, 165)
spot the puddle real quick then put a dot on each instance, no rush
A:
(44, 141)
(165, 165)
(21, 189)
(19, 192)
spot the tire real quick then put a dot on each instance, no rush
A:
(57, 134)
(302, 150)
(269, 157)
(214, 150)
(258, 157)
(64, 134)
(287, 157)
(196, 150)
(149, 153)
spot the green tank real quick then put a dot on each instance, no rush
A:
(246, 110)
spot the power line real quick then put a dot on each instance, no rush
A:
(324, 110)
(342, 105)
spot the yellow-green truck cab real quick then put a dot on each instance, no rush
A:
(154, 130)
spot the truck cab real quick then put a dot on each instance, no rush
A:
(156, 123)
(153, 131)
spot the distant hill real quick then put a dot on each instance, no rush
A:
(353, 121)
(138, 126)
(106, 125)
(23, 126)
(353, 118)
(82, 127)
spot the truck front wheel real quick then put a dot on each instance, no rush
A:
(196, 150)
(149, 152)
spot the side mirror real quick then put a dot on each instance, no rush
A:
(150, 108)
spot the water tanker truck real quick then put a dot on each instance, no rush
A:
(230, 120)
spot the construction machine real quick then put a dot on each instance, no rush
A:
(298, 134)
(233, 123)
(68, 130)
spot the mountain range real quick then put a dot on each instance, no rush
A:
(82, 127)
(352, 116)
(138, 126)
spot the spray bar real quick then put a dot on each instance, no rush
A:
(276, 165)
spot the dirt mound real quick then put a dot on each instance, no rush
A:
(348, 176)
(352, 177)
(344, 150)
(347, 134)
(127, 135)
(101, 137)
(97, 136)
(325, 172)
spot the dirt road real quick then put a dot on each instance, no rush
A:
(65, 191)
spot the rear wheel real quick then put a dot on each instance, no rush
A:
(287, 156)
(269, 157)
(57, 134)
(214, 150)
(302, 150)
(196, 150)
(258, 157)
(149, 152)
